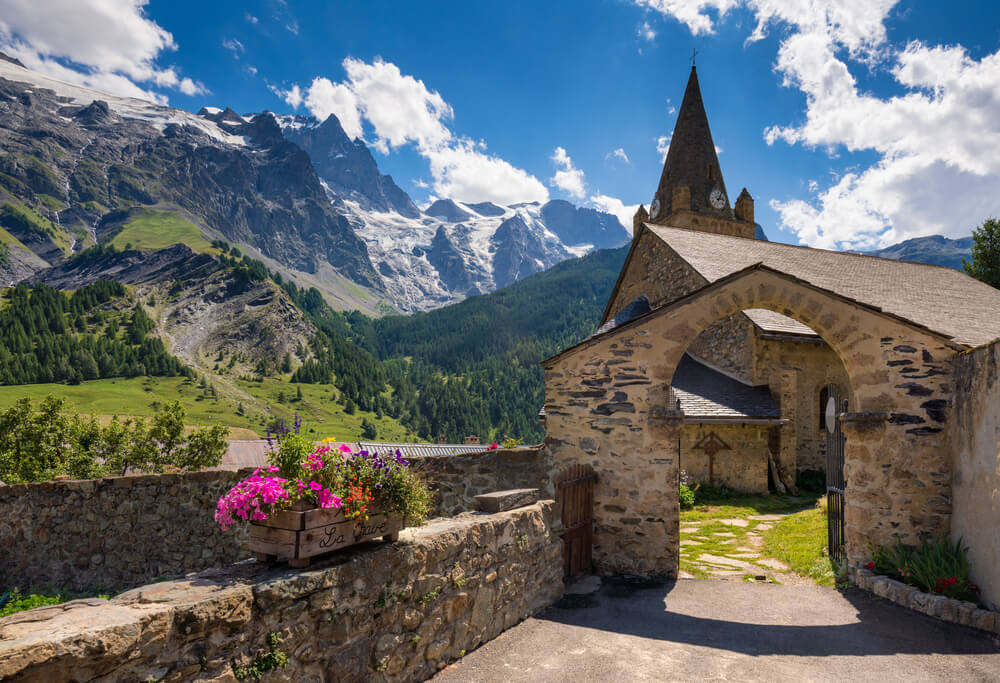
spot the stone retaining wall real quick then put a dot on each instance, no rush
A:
(382, 611)
(109, 534)
(939, 606)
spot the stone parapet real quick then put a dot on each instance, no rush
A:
(102, 535)
(398, 611)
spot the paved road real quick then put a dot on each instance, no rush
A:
(705, 630)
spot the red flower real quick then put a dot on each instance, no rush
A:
(870, 565)
(492, 447)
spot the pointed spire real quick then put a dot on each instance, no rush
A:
(691, 163)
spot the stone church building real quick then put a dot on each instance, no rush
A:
(718, 354)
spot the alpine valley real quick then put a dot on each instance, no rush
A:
(266, 261)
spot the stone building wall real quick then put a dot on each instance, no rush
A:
(976, 479)
(118, 532)
(381, 611)
(796, 372)
(660, 275)
(742, 467)
(606, 406)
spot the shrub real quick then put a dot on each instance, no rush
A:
(686, 497)
(935, 566)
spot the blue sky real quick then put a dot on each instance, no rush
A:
(853, 124)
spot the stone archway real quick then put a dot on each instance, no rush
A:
(607, 405)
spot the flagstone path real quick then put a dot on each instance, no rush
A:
(730, 549)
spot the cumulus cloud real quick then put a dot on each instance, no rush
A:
(402, 110)
(646, 31)
(251, 18)
(618, 154)
(937, 137)
(107, 44)
(616, 207)
(568, 178)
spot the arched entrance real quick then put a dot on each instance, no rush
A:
(608, 405)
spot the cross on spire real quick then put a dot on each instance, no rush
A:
(694, 53)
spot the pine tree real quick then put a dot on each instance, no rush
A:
(984, 262)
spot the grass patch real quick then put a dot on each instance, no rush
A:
(139, 396)
(14, 601)
(150, 229)
(799, 541)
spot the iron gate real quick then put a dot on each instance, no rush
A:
(575, 492)
(835, 476)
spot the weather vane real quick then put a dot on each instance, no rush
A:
(694, 53)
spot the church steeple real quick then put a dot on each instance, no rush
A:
(692, 179)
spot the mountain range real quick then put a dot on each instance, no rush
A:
(82, 167)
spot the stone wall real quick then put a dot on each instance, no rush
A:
(381, 611)
(106, 534)
(742, 467)
(606, 403)
(976, 479)
(456, 480)
(796, 372)
(114, 533)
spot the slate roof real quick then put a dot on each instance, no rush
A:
(708, 394)
(939, 298)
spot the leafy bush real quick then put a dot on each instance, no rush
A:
(14, 601)
(37, 445)
(936, 566)
(686, 497)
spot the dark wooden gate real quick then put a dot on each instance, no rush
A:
(835, 476)
(575, 493)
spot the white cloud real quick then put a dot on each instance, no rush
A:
(568, 178)
(234, 46)
(663, 146)
(617, 208)
(618, 154)
(937, 139)
(402, 110)
(646, 31)
(292, 27)
(251, 18)
(106, 44)
(252, 70)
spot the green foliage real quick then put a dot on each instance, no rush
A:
(686, 497)
(41, 339)
(14, 601)
(37, 445)
(4, 254)
(984, 261)
(368, 430)
(274, 658)
(290, 453)
(470, 368)
(151, 229)
(800, 540)
(25, 220)
(936, 566)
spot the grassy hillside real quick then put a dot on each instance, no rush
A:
(259, 400)
(152, 229)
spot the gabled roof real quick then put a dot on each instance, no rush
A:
(691, 159)
(941, 299)
(709, 395)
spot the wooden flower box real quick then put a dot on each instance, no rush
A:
(303, 532)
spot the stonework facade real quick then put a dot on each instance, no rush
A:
(607, 405)
(734, 456)
(385, 611)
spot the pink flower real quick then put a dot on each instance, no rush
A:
(271, 468)
(315, 486)
(327, 499)
(492, 447)
(344, 448)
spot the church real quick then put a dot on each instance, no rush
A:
(753, 387)
(727, 359)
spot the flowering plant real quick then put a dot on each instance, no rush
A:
(298, 470)
(935, 566)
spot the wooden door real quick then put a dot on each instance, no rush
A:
(575, 493)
